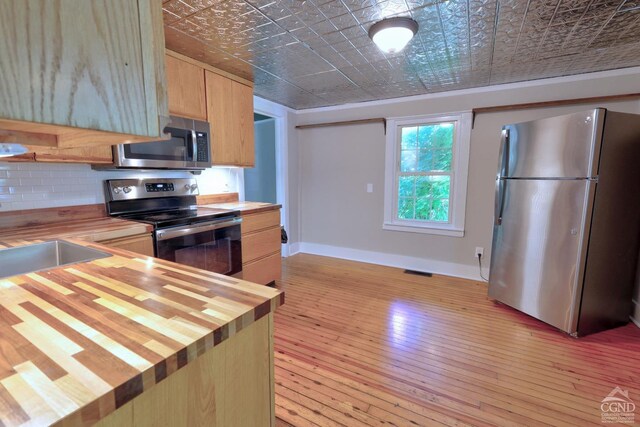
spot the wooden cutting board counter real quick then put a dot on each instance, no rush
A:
(245, 208)
(94, 229)
(79, 341)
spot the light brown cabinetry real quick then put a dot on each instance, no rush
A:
(230, 113)
(261, 258)
(140, 243)
(230, 385)
(185, 88)
(79, 73)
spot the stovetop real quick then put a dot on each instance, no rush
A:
(177, 217)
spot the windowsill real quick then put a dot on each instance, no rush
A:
(441, 231)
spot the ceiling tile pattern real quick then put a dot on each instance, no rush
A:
(313, 53)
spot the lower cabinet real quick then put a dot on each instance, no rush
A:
(231, 385)
(263, 271)
(261, 258)
(141, 243)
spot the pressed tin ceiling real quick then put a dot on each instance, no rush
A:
(306, 54)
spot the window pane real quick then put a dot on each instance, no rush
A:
(442, 160)
(405, 186)
(423, 208)
(430, 201)
(441, 187)
(409, 137)
(436, 136)
(440, 210)
(405, 207)
(443, 136)
(425, 160)
(424, 136)
(423, 186)
(408, 161)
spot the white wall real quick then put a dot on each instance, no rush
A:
(335, 163)
(43, 185)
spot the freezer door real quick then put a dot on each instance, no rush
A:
(538, 248)
(558, 147)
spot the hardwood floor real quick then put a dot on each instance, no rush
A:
(365, 345)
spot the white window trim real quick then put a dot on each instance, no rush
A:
(460, 161)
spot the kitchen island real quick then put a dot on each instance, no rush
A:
(134, 340)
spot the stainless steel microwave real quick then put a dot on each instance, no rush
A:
(187, 149)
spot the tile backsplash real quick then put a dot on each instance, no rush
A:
(45, 185)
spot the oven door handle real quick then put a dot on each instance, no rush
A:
(189, 229)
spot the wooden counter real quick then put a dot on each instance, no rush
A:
(245, 208)
(92, 229)
(87, 341)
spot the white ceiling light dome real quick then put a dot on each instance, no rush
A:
(391, 35)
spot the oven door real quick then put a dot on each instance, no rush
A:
(214, 246)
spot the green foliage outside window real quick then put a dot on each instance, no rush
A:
(424, 182)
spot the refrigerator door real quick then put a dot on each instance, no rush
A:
(558, 147)
(537, 260)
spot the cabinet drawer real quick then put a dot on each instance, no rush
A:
(258, 245)
(259, 221)
(141, 244)
(264, 270)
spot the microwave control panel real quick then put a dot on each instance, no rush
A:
(203, 147)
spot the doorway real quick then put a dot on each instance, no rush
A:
(260, 182)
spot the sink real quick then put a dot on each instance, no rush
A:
(43, 256)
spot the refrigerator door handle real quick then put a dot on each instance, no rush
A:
(503, 171)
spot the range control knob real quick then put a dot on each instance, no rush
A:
(187, 187)
(194, 187)
(116, 190)
(126, 189)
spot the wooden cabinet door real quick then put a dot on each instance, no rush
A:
(185, 89)
(85, 65)
(243, 110)
(230, 113)
(224, 150)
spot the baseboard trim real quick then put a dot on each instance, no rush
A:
(294, 248)
(635, 317)
(406, 262)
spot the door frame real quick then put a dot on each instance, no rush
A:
(279, 114)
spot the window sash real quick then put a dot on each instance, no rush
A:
(399, 173)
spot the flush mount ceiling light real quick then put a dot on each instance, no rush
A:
(11, 149)
(391, 35)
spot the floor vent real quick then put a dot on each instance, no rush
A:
(418, 273)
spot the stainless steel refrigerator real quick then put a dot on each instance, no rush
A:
(567, 219)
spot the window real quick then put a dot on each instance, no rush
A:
(426, 174)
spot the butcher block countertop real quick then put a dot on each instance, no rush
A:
(245, 208)
(79, 341)
(93, 229)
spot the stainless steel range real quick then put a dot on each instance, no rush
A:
(204, 238)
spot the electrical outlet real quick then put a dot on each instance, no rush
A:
(369, 188)
(479, 251)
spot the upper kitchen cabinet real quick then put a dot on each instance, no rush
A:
(230, 113)
(80, 73)
(185, 88)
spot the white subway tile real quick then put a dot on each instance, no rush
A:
(32, 196)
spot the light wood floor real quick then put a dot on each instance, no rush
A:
(364, 345)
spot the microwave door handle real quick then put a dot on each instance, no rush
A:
(188, 230)
(194, 146)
